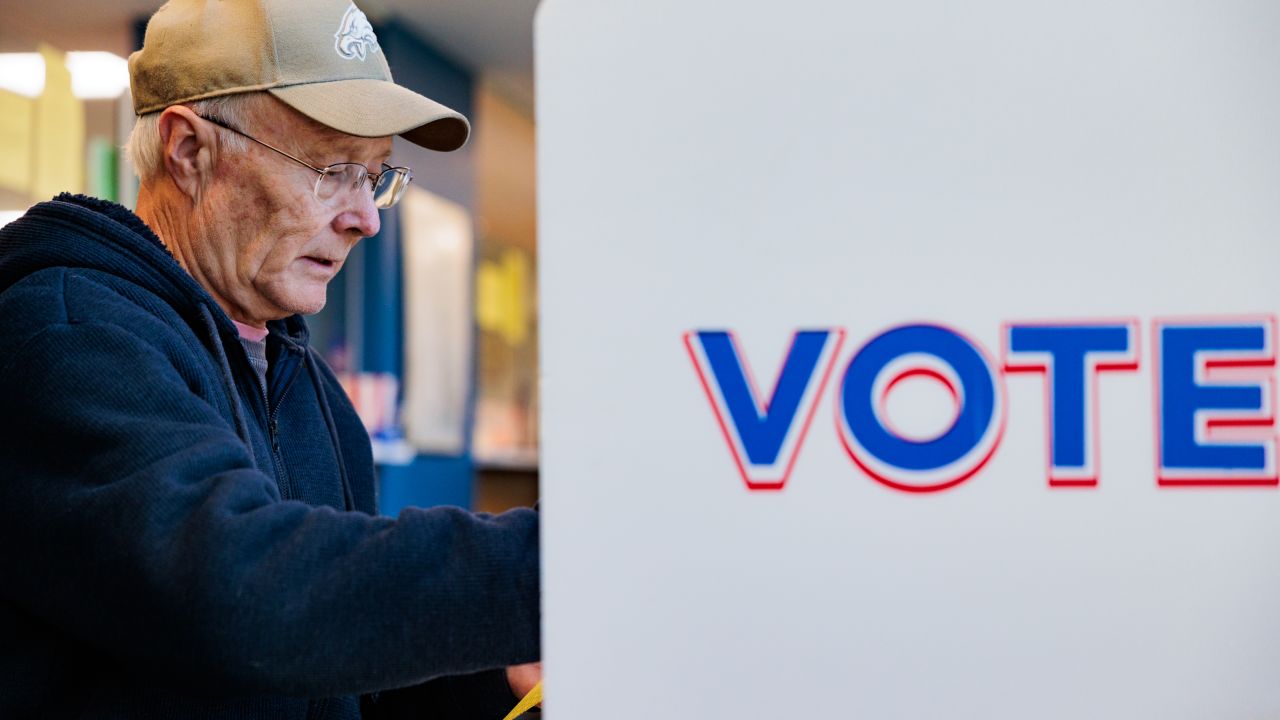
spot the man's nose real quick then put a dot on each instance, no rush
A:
(359, 215)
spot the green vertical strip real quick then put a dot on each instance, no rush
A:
(103, 170)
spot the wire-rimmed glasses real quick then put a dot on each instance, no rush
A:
(388, 185)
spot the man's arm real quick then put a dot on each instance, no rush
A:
(133, 520)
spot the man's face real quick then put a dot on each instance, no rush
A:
(265, 243)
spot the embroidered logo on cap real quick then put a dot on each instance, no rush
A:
(355, 38)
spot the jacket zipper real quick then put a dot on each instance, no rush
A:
(273, 434)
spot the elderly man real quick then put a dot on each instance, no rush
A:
(187, 510)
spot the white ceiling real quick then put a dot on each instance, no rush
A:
(492, 38)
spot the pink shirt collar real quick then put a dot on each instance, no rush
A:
(249, 332)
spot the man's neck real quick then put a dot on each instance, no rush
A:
(159, 216)
(174, 229)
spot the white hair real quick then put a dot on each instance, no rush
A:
(144, 149)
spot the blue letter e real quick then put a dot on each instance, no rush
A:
(1204, 417)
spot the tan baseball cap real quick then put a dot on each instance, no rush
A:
(320, 57)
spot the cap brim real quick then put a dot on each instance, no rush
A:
(377, 108)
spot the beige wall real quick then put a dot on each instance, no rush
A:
(504, 148)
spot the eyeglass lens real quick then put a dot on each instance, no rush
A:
(391, 185)
(351, 177)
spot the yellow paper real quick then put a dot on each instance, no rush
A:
(17, 122)
(59, 132)
(526, 704)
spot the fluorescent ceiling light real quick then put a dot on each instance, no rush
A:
(94, 75)
(22, 73)
(97, 75)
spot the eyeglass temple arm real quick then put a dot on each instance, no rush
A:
(223, 125)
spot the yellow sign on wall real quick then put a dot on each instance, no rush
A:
(502, 290)
(17, 128)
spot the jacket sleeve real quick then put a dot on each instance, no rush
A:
(132, 519)
(478, 696)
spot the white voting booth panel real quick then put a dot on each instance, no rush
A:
(909, 360)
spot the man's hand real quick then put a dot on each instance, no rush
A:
(522, 678)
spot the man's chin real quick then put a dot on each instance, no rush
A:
(302, 303)
(310, 308)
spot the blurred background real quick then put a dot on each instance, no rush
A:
(432, 324)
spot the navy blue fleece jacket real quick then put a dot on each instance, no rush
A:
(173, 544)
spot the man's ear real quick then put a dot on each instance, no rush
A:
(189, 147)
